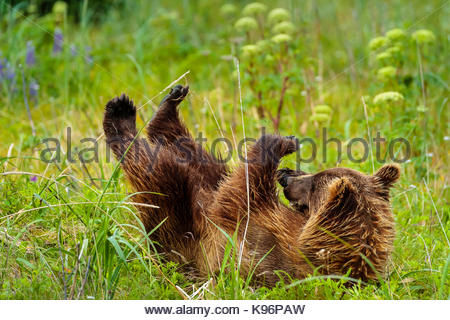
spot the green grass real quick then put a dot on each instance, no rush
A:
(74, 233)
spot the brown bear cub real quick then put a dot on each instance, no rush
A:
(340, 220)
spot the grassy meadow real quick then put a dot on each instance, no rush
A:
(68, 229)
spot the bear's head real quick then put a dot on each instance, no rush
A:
(307, 192)
(349, 220)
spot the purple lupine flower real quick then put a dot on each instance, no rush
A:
(58, 39)
(2, 69)
(10, 72)
(33, 88)
(33, 178)
(88, 57)
(73, 50)
(30, 59)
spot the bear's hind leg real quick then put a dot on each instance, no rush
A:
(157, 178)
(119, 124)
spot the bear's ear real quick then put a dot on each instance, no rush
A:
(342, 195)
(340, 187)
(388, 174)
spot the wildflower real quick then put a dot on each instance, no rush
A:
(320, 117)
(269, 59)
(246, 24)
(73, 50)
(32, 8)
(60, 7)
(60, 10)
(278, 15)
(422, 108)
(250, 50)
(388, 96)
(284, 27)
(10, 72)
(2, 68)
(57, 41)
(30, 58)
(33, 88)
(263, 45)
(254, 8)
(394, 50)
(33, 178)
(387, 72)
(384, 56)
(88, 56)
(446, 138)
(228, 9)
(377, 43)
(322, 108)
(280, 38)
(423, 36)
(395, 34)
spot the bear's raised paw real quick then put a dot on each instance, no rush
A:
(176, 95)
(120, 108)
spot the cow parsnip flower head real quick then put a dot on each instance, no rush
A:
(388, 72)
(278, 15)
(284, 27)
(281, 38)
(228, 9)
(320, 117)
(395, 34)
(383, 56)
(250, 50)
(377, 43)
(32, 8)
(394, 50)
(388, 97)
(246, 24)
(423, 36)
(323, 108)
(263, 45)
(254, 8)
(60, 7)
(269, 59)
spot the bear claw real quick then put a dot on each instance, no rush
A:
(177, 94)
(293, 144)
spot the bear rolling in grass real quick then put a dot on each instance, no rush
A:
(340, 219)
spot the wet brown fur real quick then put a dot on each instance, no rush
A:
(348, 219)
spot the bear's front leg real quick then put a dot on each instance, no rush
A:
(263, 161)
(166, 126)
(254, 182)
(269, 149)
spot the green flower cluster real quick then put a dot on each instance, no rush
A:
(253, 18)
(322, 113)
(388, 97)
(394, 48)
(267, 46)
